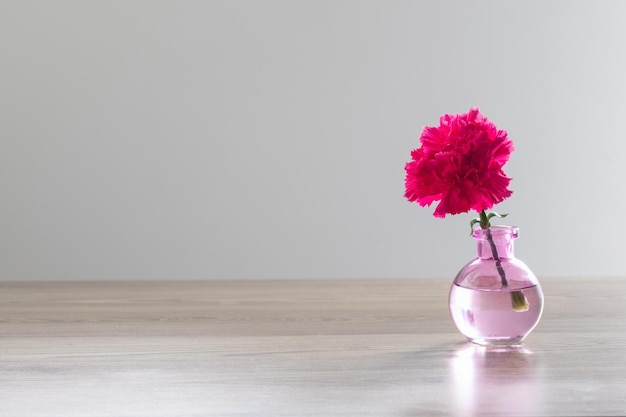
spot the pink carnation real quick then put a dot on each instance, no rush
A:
(460, 165)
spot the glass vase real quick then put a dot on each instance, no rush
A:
(496, 299)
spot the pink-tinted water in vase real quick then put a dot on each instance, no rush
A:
(487, 316)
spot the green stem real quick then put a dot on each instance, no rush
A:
(518, 300)
(485, 224)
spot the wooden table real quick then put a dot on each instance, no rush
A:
(300, 348)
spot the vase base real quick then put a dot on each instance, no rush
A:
(512, 342)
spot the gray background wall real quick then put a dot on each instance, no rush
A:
(267, 139)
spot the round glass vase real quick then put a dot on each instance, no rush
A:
(496, 299)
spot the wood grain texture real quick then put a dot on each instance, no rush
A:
(300, 348)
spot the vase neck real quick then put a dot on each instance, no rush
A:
(499, 237)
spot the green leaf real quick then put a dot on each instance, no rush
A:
(472, 223)
(494, 214)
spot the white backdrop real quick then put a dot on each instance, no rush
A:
(267, 139)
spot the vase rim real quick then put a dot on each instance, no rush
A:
(497, 231)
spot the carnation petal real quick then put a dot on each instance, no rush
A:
(460, 165)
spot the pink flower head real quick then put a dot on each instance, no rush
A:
(460, 165)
